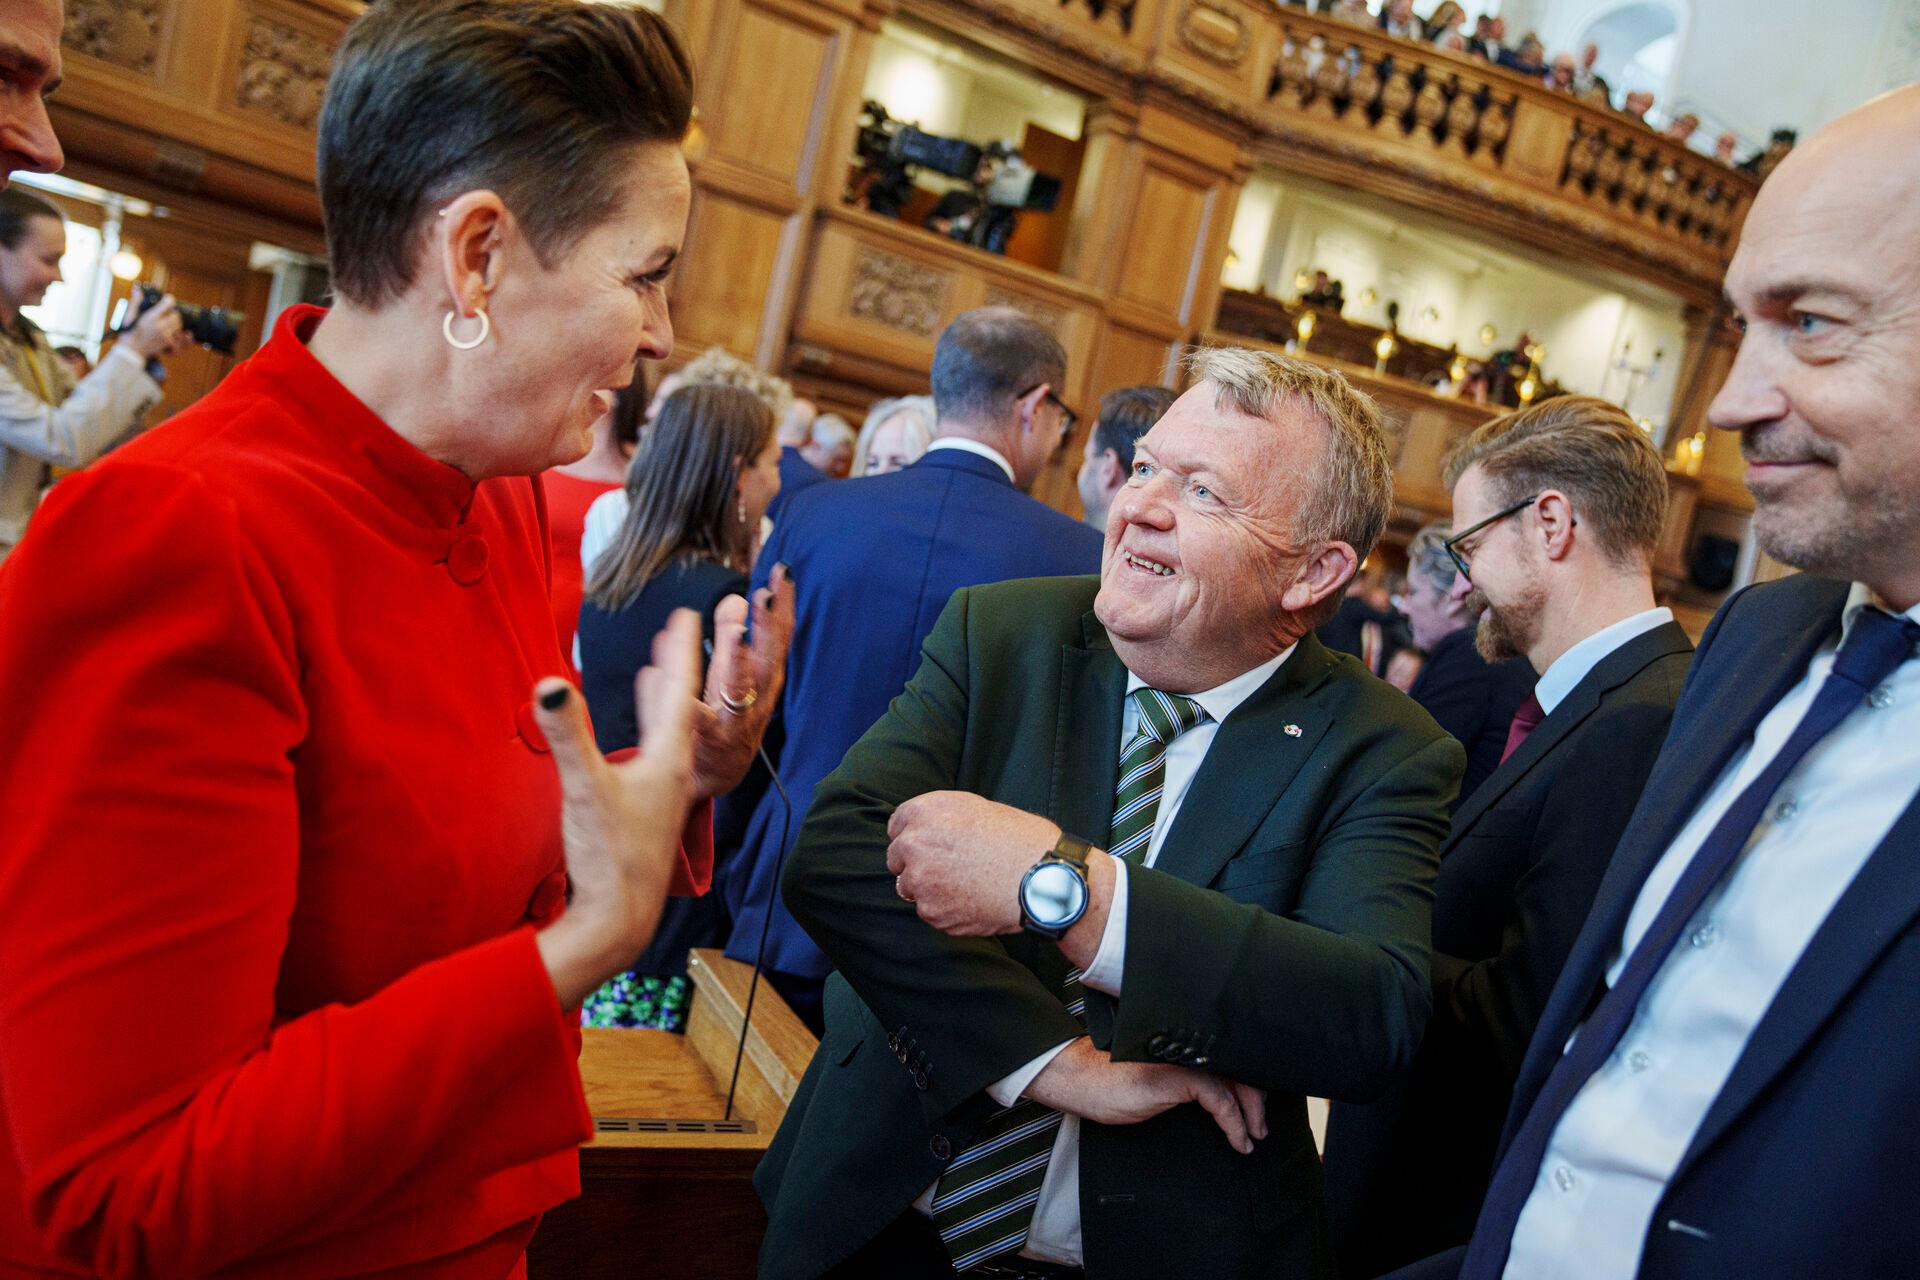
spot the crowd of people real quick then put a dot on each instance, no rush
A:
(1565, 72)
(1083, 845)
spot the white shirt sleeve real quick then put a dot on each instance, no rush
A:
(104, 408)
(1110, 961)
(1007, 1090)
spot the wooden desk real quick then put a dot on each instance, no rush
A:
(665, 1188)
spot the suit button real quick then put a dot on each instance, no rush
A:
(941, 1148)
(1200, 1059)
(920, 1079)
(467, 560)
(1157, 1045)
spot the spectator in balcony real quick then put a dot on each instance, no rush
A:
(1588, 86)
(1637, 104)
(1761, 164)
(1682, 128)
(1724, 145)
(1396, 19)
(1354, 11)
(1448, 17)
(1560, 73)
(894, 436)
(829, 446)
(1489, 33)
(1125, 415)
(1529, 58)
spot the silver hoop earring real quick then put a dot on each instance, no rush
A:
(446, 331)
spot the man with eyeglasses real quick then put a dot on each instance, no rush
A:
(873, 561)
(1559, 509)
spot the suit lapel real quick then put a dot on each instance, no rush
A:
(1252, 761)
(1086, 748)
(1617, 668)
(1870, 916)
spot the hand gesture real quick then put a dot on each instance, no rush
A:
(743, 685)
(621, 823)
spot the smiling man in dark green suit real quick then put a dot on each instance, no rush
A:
(1041, 1058)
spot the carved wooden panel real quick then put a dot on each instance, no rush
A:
(776, 80)
(1041, 312)
(897, 292)
(725, 277)
(126, 33)
(283, 73)
(1169, 216)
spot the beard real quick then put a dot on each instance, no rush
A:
(1507, 630)
(1829, 528)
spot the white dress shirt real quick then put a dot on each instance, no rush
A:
(987, 451)
(1055, 1233)
(1571, 667)
(1621, 1139)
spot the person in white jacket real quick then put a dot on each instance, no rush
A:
(47, 418)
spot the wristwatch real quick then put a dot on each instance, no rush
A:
(1053, 893)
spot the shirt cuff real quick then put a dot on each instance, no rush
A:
(1110, 961)
(1007, 1090)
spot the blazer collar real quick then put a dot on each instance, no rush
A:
(957, 459)
(1612, 671)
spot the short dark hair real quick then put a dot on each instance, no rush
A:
(987, 358)
(1126, 414)
(532, 99)
(17, 209)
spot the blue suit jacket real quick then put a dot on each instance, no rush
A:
(796, 474)
(874, 560)
(1807, 1163)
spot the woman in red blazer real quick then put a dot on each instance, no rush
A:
(284, 979)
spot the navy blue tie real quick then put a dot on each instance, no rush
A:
(1876, 645)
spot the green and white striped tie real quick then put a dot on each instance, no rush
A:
(983, 1204)
(1143, 768)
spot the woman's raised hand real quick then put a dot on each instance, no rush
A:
(743, 684)
(621, 822)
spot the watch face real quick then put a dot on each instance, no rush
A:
(1054, 895)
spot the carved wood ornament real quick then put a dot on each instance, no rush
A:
(897, 292)
(283, 73)
(125, 33)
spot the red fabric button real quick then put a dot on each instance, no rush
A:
(530, 729)
(467, 561)
(547, 896)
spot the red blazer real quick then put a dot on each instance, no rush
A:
(276, 828)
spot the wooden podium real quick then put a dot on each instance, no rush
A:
(665, 1188)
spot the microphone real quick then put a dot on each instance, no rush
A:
(760, 953)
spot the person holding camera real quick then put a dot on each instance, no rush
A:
(47, 417)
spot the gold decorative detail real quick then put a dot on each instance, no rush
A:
(283, 74)
(123, 32)
(1215, 34)
(1429, 109)
(897, 292)
(1044, 314)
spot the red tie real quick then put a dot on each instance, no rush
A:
(1525, 720)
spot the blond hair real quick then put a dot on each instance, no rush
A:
(719, 367)
(1588, 449)
(1350, 496)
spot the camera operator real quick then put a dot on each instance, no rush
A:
(47, 417)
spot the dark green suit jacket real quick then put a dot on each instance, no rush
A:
(1281, 939)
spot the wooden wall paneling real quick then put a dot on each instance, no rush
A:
(723, 283)
(1537, 145)
(1221, 46)
(1108, 190)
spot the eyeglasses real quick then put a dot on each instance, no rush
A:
(1452, 544)
(1067, 416)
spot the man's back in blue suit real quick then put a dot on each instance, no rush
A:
(873, 561)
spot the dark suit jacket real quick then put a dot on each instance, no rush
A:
(1474, 700)
(1405, 1175)
(874, 560)
(796, 474)
(1280, 939)
(1343, 631)
(1806, 1163)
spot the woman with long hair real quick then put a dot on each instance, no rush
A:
(571, 492)
(294, 791)
(895, 435)
(696, 490)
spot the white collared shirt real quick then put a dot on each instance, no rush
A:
(967, 445)
(1571, 667)
(1055, 1233)
(1621, 1139)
